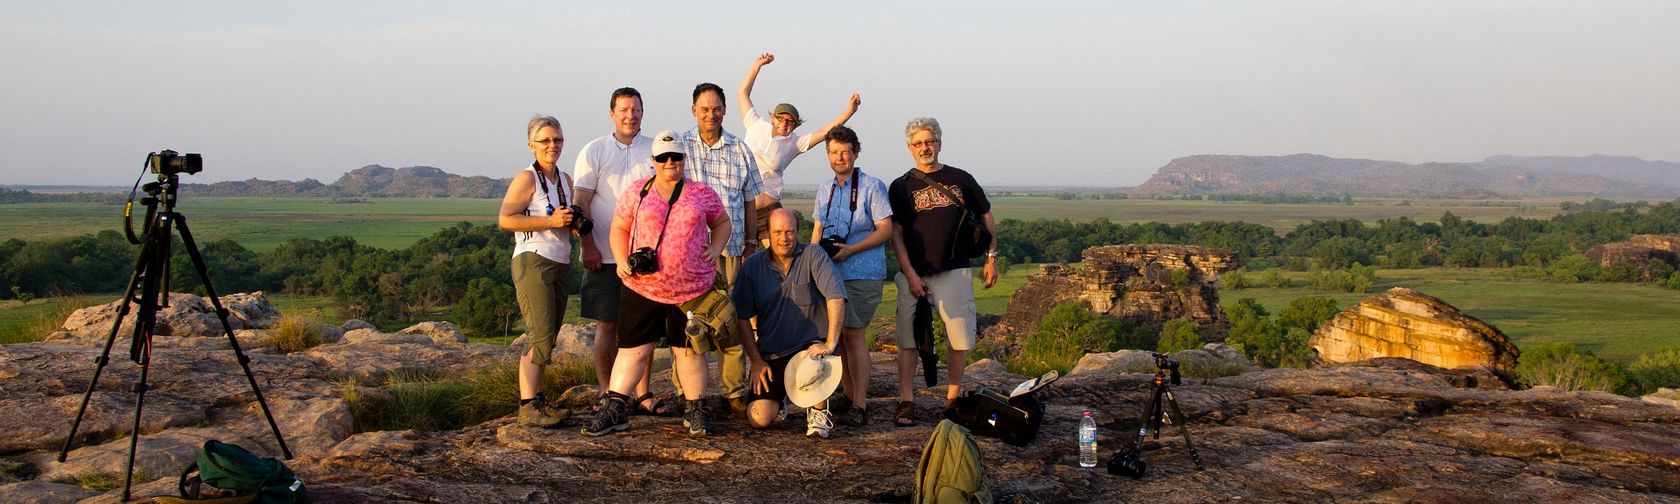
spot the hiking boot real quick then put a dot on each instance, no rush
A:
(817, 423)
(738, 406)
(536, 414)
(853, 417)
(695, 420)
(613, 417)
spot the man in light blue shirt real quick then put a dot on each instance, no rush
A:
(853, 224)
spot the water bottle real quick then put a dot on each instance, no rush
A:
(1087, 441)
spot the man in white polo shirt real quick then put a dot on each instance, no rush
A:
(773, 143)
(605, 167)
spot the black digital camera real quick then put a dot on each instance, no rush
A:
(580, 223)
(643, 261)
(832, 244)
(1168, 365)
(168, 162)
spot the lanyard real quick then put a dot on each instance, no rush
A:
(662, 225)
(850, 210)
(543, 183)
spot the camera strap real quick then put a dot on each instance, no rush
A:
(542, 182)
(668, 206)
(851, 210)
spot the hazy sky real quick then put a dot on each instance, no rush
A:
(1030, 93)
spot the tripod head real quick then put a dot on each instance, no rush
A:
(1166, 367)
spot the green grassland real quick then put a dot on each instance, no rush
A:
(1618, 321)
(263, 223)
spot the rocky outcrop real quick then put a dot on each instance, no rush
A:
(1409, 324)
(186, 315)
(1129, 282)
(1640, 249)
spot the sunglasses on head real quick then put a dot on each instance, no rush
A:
(668, 157)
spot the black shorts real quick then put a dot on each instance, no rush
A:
(778, 376)
(642, 321)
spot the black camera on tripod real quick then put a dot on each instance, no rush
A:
(1169, 365)
(1159, 410)
(643, 261)
(168, 162)
(832, 244)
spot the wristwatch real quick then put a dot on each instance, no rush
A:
(991, 254)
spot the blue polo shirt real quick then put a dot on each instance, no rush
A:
(792, 310)
(834, 210)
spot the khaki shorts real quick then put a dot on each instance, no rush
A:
(541, 287)
(862, 297)
(952, 294)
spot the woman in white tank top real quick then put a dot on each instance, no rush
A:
(537, 209)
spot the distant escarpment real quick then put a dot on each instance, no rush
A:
(371, 180)
(1497, 176)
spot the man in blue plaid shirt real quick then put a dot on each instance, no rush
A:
(725, 163)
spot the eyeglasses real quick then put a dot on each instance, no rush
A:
(547, 141)
(924, 143)
(669, 157)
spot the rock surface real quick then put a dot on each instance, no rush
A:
(1132, 282)
(1406, 323)
(1638, 249)
(186, 315)
(1387, 430)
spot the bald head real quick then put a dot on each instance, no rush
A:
(784, 231)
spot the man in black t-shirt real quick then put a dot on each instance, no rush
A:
(931, 263)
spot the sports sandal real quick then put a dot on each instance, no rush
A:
(659, 409)
(902, 416)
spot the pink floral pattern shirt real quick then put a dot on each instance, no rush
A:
(684, 270)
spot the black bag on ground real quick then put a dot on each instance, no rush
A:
(1013, 416)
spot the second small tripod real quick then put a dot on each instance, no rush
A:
(1161, 409)
(151, 279)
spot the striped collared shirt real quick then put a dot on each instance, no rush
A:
(731, 171)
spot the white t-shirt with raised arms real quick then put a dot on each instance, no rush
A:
(774, 153)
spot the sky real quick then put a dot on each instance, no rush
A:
(1098, 93)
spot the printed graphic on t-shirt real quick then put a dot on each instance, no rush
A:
(929, 198)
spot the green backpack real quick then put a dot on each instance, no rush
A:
(234, 469)
(950, 469)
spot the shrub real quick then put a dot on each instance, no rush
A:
(1307, 312)
(1356, 278)
(1234, 279)
(1178, 334)
(422, 401)
(1655, 370)
(1181, 280)
(1067, 333)
(1674, 281)
(1274, 278)
(294, 334)
(1565, 366)
(1618, 272)
(1656, 270)
(1572, 269)
(488, 309)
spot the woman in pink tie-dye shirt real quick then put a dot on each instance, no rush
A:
(684, 223)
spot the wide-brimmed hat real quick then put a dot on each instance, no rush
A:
(810, 380)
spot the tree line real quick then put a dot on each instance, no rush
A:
(465, 266)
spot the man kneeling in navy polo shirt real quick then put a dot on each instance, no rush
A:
(800, 303)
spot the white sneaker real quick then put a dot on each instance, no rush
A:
(817, 423)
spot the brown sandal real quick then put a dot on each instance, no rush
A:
(902, 416)
(659, 409)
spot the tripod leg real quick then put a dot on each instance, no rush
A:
(139, 400)
(134, 280)
(1178, 418)
(1151, 414)
(227, 328)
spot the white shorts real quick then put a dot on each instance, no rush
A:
(952, 294)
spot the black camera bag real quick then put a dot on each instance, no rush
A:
(992, 412)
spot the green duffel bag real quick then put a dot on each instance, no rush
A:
(235, 470)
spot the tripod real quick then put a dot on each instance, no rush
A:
(1129, 460)
(151, 278)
